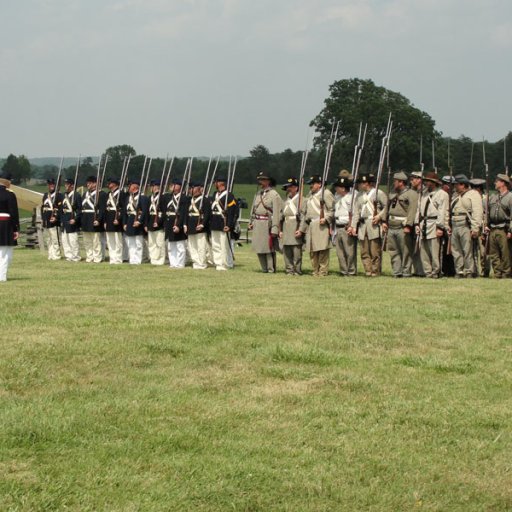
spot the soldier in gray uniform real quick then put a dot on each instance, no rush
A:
(264, 222)
(290, 221)
(402, 205)
(478, 184)
(431, 224)
(467, 218)
(315, 224)
(369, 213)
(499, 229)
(345, 243)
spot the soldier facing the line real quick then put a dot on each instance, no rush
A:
(9, 224)
(264, 223)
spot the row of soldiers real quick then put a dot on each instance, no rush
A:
(172, 223)
(430, 226)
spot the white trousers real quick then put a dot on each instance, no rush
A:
(135, 249)
(5, 260)
(115, 247)
(177, 253)
(52, 242)
(93, 247)
(156, 247)
(221, 250)
(198, 248)
(70, 246)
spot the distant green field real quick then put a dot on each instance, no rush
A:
(140, 388)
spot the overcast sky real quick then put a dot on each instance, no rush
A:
(201, 77)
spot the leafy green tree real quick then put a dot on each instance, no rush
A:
(14, 168)
(354, 101)
(116, 156)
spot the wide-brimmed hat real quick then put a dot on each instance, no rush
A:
(416, 174)
(477, 182)
(432, 176)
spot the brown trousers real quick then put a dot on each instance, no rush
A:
(371, 255)
(320, 262)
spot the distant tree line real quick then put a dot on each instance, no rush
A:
(351, 101)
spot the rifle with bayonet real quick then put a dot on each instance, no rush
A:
(383, 152)
(358, 151)
(422, 224)
(99, 181)
(327, 164)
(505, 163)
(73, 203)
(486, 237)
(200, 219)
(450, 207)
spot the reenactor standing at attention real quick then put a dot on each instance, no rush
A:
(222, 225)
(369, 212)
(50, 216)
(70, 212)
(174, 206)
(9, 224)
(135, 214)
(197, 225)
(432, 223)
(316, 225)
(403, 204)
(264, 223)
(155, 226)
(416, 183)
(478, 184)
(447, 262)
(290, 222)
(93, 220)
(114, 222)
(467, 219)
(499, 229)
(346, 244)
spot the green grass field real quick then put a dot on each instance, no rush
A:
(141, 388)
